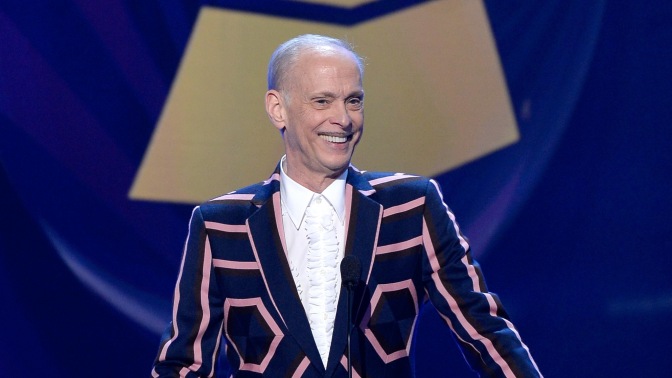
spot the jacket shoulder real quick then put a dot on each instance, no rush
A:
(392, 189)
(392, 182)
(232, 205)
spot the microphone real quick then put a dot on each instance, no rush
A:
(351, 269)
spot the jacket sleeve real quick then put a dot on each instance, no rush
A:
(456, 287)
(191, 343)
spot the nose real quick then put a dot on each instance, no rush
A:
(340, 115)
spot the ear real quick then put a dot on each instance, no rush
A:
(275, 108)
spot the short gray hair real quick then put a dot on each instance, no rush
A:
(286, 55)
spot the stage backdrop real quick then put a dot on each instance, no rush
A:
(546, 123)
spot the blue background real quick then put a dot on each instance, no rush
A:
(571, 224)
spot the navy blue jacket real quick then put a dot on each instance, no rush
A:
(235, 289)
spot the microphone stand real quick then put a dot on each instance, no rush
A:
(349, 289)
(351, 269)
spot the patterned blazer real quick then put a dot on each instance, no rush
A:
(235, 282)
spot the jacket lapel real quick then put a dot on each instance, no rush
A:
(363, 217)
(267, 237)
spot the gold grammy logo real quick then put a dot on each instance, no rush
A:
(435, 98)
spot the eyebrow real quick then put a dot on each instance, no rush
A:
(357, 93)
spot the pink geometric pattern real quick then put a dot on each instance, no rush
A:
(375, 305)
(268, 319)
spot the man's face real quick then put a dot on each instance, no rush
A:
(324, 115)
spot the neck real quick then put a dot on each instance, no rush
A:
(314, 182)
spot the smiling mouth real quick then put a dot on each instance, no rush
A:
(336, 138)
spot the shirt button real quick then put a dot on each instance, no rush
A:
(318, 200)
(325, 316)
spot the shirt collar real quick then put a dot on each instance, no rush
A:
(296, 198)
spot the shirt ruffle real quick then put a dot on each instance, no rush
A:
(322, 272)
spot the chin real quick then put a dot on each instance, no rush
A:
(334, 168)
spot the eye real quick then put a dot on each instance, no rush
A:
(355, 103)
(321, 102)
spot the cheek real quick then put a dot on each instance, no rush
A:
(358, 120)
(306, 121)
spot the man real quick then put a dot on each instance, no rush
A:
(260, 266)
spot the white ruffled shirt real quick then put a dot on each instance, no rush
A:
(315, 232)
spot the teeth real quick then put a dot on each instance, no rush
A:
(334, 139)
